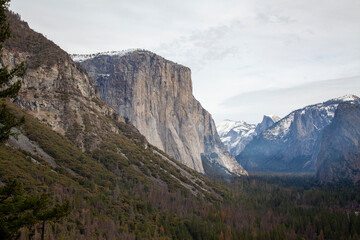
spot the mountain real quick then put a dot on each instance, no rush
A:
(339, 156)
(293, 143)
(55, 89)
(75, 147)
(237, 134)
(155, 95)
(267, 122)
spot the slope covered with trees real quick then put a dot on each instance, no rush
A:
(127, 202)
(75, 149)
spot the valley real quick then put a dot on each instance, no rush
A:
(117, 141)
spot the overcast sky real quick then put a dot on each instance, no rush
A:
(248, 57)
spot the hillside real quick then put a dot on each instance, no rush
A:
(76, 147)
(117, 186)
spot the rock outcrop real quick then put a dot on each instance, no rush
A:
(293, 143)
(339, 156)
(267, 122)
(55, 89)
(155, 95)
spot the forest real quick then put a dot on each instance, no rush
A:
(128, 189)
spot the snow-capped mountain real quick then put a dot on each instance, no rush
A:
(292, 144)
(267, 122)
(237, 134)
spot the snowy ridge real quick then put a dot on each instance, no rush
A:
(282, 128)
(326, 112)
(237, 126)
(84, 57)
(347, 98)
(237, 134)
(274, 118)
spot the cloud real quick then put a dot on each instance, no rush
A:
(201, 47)
(251, 106)
(232, 46)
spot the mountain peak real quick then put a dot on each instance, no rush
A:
(268, 121)
(272, 117)
(346, 98)
(237, 134)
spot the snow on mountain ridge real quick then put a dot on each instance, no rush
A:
(346, 98)
(84, 57)
(228, 125)
(274, 118)
(293, 143)
(237, 134)
(326, 110)
(282, 128)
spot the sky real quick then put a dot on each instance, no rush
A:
(247, 57)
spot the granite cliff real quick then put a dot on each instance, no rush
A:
(267, 122)
(56, 90)
(100, 164)
(339, 156)
(155, 95)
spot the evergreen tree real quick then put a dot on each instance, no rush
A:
(7, 89)
(19, 210)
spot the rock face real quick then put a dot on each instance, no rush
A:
(339, 156)
(59, 93)
(267, 122)
(155, 95)
(293, 143)
(55, 89)
(237, 134)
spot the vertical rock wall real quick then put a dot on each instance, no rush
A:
(156, 96)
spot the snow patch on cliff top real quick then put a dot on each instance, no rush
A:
(346, 98)
(282, 128)
(84, 57)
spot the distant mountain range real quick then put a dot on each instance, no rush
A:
(297, 141)
(237, 134)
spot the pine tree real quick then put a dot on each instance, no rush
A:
(18, 210)
(7, 89)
